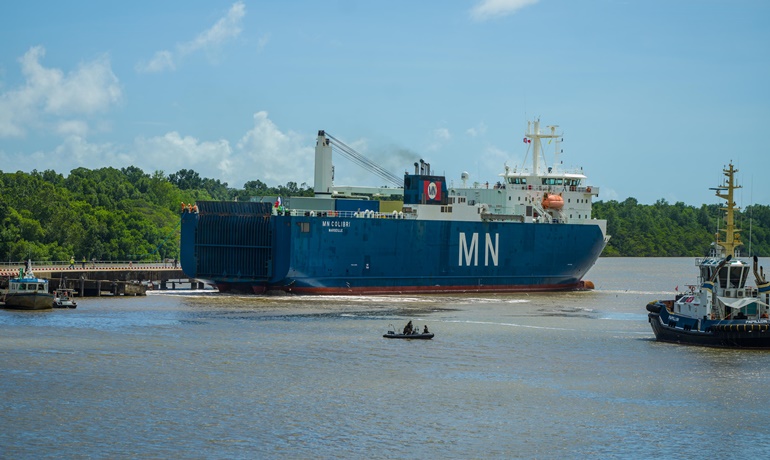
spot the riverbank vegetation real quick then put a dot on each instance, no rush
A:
(128, 214)
(677, 230)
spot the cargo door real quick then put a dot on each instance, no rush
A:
(234, 241)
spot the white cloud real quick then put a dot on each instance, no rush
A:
(488, 9)
(608, 194)
(442, 134)
(172, 152)
(48, 94)
(225, 29)
(77, 152)
(264, 152)
(478, 130)
(163, 60)
(72, 128)
(495, 158)
(274, 157)
(169, 153)
(439, 137)
(263, 40)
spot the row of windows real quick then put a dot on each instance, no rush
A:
(546, 181)
(31, 287)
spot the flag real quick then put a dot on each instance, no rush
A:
(278, 202)
(676, 289)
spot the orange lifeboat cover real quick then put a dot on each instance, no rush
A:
(553, 201)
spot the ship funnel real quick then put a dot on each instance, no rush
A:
(324, 171)
(416, 168)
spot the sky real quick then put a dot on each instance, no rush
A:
(654, 97)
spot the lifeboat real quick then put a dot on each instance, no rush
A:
(553, 201)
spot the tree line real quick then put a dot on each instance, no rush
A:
(108, 213)
(678, 230)
(127, 214)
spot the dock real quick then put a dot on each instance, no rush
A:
(95, 279)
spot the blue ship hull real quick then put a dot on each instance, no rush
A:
(243, 247)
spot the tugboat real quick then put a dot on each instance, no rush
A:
(721, 311)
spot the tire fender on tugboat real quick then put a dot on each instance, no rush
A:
(653, 307)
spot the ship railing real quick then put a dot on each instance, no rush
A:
(64, 265)
(365, 214)
(555, 188)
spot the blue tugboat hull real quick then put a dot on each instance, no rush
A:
(673, 328)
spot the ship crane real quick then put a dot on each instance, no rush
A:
(324, 175)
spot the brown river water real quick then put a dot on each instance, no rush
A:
(195, 374)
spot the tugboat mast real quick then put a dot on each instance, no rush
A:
(732, 236)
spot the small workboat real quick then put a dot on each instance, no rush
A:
(408, 333)
(63, 298)
(722, 310)
(28, 292)
(414, 335)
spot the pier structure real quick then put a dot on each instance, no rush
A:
(94, 279)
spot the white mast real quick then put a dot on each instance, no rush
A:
(535, 137)
(324, 171)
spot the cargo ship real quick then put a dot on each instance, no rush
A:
(530, 231)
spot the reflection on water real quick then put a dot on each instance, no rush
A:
(199, 375)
